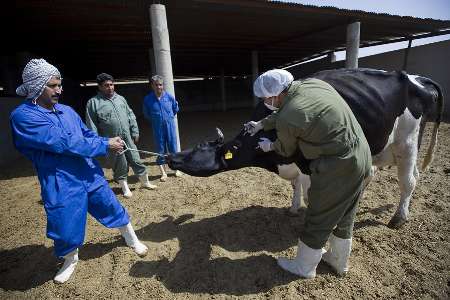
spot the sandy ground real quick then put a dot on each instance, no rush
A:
(217, 237)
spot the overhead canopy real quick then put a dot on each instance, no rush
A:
(85, 37)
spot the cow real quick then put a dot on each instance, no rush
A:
(392, 109)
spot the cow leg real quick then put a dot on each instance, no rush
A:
(292, 172)
(406, 152)
(300, 186)
(305, 182)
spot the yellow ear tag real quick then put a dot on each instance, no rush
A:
(228, 155)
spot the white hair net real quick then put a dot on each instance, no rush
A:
(272, 83)
(35, 76)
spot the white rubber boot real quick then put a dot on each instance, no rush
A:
(125, 189)
(132, 241)
(145, 183)
(163, 173)
(70, 262)
(305, 263)
(338, 254)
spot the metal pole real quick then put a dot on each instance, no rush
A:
(222, 89)
(351, 54)
(151, 57)
(405, 59)
(255, 72)
(161, 46)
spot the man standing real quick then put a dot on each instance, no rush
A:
(108, 114)
(160, 108)
(62, 148)
(311, 116)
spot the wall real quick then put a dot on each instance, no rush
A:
(7, 151)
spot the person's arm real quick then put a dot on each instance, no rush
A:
(286, 143)
(134, 129)
(91, 116)
(175, 107)
(32, 131)
(269, 122)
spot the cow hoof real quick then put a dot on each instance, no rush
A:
(396, 222)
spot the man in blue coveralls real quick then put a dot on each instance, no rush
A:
(160, 109)
(62, 149)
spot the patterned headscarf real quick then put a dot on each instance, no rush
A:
(272, 83)
(35, 76)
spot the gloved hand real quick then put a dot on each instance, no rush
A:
(253, 127)
(265, 144)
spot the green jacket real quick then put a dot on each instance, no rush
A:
(316, 119)
(111, 117)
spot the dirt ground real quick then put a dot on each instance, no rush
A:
(218, 237)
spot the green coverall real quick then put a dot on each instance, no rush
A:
(113, 117)
(315, 118)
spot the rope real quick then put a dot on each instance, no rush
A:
(126, 148)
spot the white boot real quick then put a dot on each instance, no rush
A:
(125, 189)
(305, 263)
(163, 173)
(70, 261)
(338, 254)
(145, 183)
(178, 173)
(132, 241)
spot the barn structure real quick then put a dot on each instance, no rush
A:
(225, 43)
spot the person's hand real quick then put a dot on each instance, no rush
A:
(116, 144)
(265, 144)
(136, 139)
(253, 127)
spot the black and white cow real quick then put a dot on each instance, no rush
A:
(392, 109)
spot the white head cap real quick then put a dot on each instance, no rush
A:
(35, 76)
(272, 83)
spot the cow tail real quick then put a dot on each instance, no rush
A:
(440, 110)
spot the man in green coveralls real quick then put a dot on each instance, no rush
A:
(311, 116)
(108, 114)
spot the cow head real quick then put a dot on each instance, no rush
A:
(212, 157)
(202, 160)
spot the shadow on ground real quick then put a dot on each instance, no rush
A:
(196, 269)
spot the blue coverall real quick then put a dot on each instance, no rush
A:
(62, 148)
(162, 113)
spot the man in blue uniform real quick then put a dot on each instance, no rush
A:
(62, 149)
(160, 109)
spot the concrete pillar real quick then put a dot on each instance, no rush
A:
(332, 57)
(351, 53)
(222, 90)
(405, 58)
(255, 73)
(161, 46)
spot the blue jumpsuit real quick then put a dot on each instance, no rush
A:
(62, 148)
(162, 113)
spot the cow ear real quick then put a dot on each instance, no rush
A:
(220, 134)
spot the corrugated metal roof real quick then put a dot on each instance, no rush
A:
(85, 37)
(346, 10)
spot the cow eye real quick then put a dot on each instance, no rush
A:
(201, 146)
